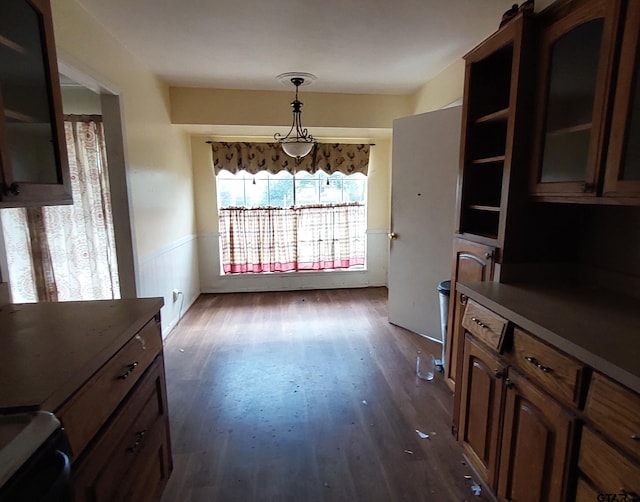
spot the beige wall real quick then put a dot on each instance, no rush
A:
(158, 156)
(80, 101)
(444, 89)
(268, 108)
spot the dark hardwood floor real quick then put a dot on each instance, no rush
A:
(306, 396)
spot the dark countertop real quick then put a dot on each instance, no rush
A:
(48, 350)
(596, 326)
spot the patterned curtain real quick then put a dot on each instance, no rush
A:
(255, 157)
(64, 253)
(298, 238)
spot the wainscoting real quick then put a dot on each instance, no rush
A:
(171, 267)
(213, 281)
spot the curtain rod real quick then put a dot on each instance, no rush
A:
(208, 142)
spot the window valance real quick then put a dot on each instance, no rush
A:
(346, 158)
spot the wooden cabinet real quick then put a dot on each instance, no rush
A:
(608, 470)
(615, 410)
(494, 147)
(567, 430)
(588, 120)
(622, 174)
(33, 158)
(118, 426)
(516, 436)
(609, 459)
(493, 138)
(91, 406)
(471, 262)
(577, 49)
(535, 442)
(131, 459)
(557, 373)
(99, 367)
(481, 391)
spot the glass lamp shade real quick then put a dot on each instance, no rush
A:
(297, 149)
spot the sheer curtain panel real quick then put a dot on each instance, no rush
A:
(63, 253)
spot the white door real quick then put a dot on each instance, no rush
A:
(425, 159)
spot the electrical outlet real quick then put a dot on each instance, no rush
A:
(176, 294)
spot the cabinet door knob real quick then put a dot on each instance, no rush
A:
(497, 373)
(509, 383)
(14, 189)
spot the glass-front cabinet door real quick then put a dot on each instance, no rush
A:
(623, 162)
(32, 147)
(576, 62)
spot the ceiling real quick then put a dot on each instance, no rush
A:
(352, 46)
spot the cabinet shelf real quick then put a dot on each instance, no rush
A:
(489, 160)
(480, 207)
(569, 130)
(6, 42)
(20, 117)
(499, 116)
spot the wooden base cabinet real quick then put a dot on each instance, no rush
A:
(481, 404)
(609, 459)
(472, 262)
(536, 435)
(518, 415)
(131, 459)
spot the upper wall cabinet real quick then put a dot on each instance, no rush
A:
(33, 158)
(496, 96)
(578, 44)
(623, 161)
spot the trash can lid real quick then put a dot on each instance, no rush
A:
(444, 287)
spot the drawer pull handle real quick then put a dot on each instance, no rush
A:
(635, 437)
(139, 437)
(479, 322)
(130, 369)
(535, 362)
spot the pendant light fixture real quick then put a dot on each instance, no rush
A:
(298, 142)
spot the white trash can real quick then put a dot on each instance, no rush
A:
(444, 290)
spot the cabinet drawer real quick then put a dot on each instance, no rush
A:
(132, 436)
(585, 492)
(609, 470)
(556, 372)
(615, 410)
(88, 409)
(484, 324)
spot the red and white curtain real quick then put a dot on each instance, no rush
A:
(298, 238)
(63, 253)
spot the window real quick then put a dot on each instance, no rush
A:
(285, 189)
(284, 222)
